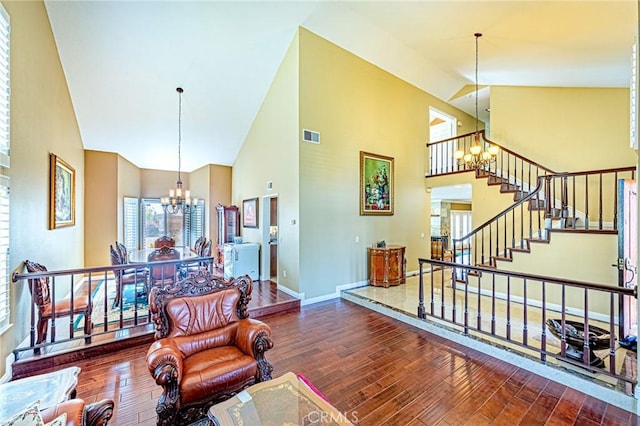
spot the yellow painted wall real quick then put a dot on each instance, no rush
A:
(356, 107)
(157, 183)
(270, 153)
(109, 178)
(565, 129)
(42, 122)
(220, 193)
(101, 206)
(211, 183)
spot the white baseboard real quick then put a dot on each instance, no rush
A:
(290, 292)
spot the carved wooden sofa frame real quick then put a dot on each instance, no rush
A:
(81, 414)
(170, 353)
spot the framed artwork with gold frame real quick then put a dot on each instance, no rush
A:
(62, 193)
(376, 184)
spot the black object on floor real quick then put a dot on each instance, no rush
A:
(598, 339)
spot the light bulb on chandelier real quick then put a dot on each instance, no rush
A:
(177, 200)
(476, 158)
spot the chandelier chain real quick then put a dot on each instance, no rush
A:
(477, 35)
(480, 154)
(180, 131)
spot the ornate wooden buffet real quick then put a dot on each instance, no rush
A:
(387, 265)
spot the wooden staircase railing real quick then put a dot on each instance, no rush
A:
(556, 318)
(543, 200)
(510, 170)
(560, 202)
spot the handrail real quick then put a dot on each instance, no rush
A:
(566, 198)
(533, 306)
(17, 276)
(77, 280)
(503, 212)
(515, 154)
(444, 156)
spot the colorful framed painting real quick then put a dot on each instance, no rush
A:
(250, 213)
(376, 184)
(62, 193)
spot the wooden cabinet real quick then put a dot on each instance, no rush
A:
(228, 229)
(386, 266)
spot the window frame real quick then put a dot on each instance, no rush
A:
(5, 151)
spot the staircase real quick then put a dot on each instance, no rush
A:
(544, 201)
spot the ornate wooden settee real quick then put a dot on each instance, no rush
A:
(207, 349)
(81, 414)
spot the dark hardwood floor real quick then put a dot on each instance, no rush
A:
(375, 370)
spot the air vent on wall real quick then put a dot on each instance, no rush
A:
(310, 136)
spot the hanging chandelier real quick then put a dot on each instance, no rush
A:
(178, 199)
(477, 157)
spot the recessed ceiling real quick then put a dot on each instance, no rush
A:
(454, 193)
(124, 59)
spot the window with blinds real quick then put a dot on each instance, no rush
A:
(155, 222)
(194, 224)
(131, 223)
(5, 97)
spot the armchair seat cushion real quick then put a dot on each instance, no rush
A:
(216, 371)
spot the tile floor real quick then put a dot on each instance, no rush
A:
(404, 299)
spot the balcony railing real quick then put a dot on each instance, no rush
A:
(563, 322)
(130, 317)
(509, 168)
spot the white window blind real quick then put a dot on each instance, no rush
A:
(131, 223)
(5, 98)
(194, 224)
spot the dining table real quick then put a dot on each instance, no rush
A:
(141, 256)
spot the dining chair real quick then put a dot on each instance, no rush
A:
(125, 277)
(197, 246)
(122, 251)
(202, 248)
(161, 275)
(164, 241)
(48, 309)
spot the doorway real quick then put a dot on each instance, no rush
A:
(451, 214)
(442, 126)
(269, 258)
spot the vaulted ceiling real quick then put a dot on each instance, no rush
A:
(124, 59)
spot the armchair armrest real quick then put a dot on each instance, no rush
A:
(78, 413)
(165, 364)
(164, 361)
(248, 331)
(254, 338)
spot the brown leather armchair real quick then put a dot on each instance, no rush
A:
(207, 349)
(81, 414)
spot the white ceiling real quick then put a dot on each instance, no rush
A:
(124, 59)
(455, 193)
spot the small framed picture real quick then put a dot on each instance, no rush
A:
(62, 193)
(250, 213)
(376, 184)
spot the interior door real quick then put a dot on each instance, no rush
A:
(627, 253)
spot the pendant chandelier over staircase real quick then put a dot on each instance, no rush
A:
(477, 157)
(178, 200)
